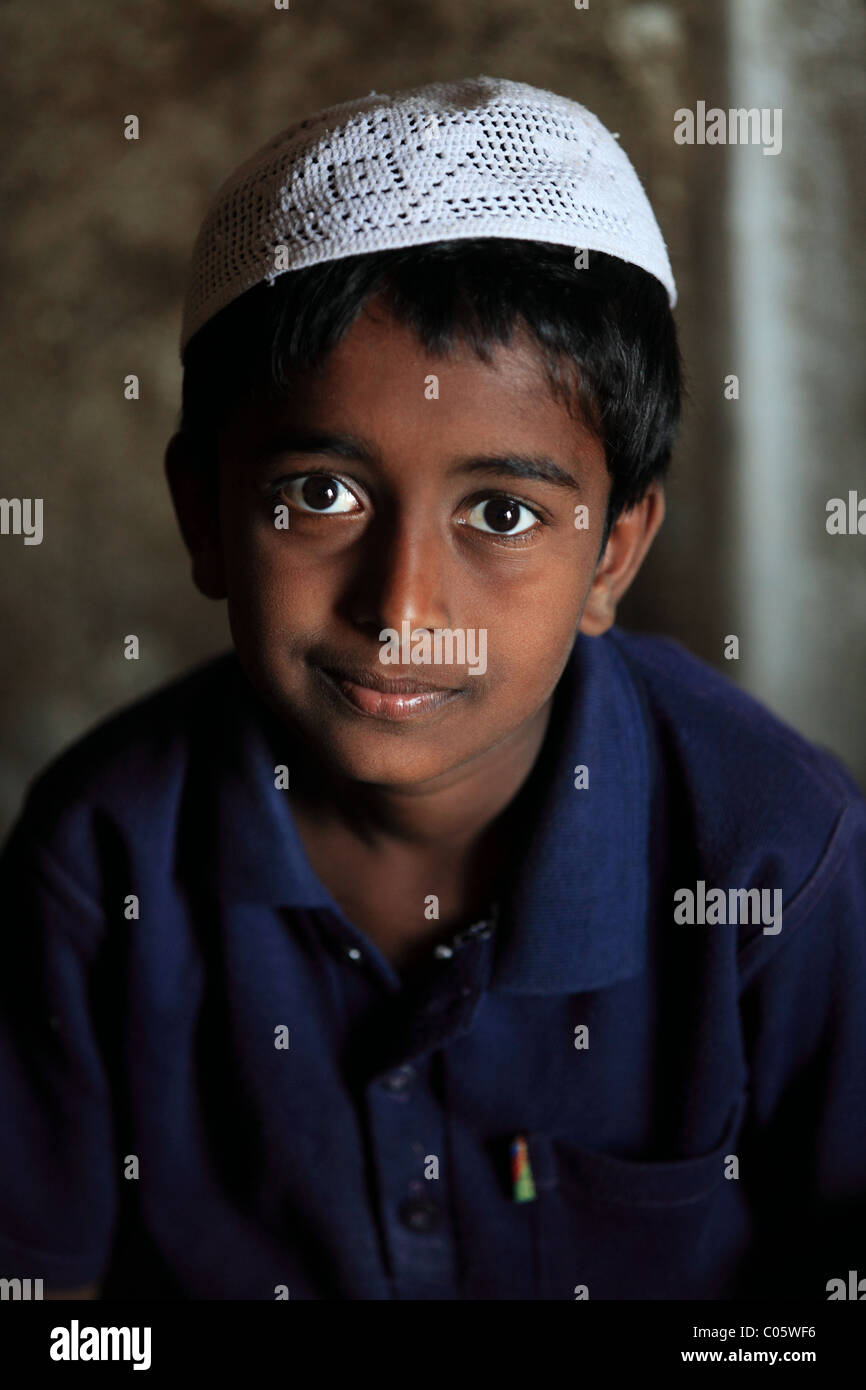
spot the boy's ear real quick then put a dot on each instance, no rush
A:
(193, 480)
(630, 538)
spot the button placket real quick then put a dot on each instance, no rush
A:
(407, 1128)
(407, 1123)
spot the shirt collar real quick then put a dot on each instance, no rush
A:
(575, 916)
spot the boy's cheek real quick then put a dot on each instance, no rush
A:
(260, 571)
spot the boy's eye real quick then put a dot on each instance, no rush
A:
(500, 516)
(319, 492)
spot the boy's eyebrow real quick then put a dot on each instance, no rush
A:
(537, 467)
(308, 441)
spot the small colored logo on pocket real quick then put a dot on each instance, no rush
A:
(522, 1184)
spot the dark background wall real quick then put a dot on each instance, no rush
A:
(98, 230)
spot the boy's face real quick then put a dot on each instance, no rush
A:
(418, 518)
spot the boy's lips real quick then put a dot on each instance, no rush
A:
(388, 697)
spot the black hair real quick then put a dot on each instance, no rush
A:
(606, 334)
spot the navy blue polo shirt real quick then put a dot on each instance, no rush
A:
(234, 1095)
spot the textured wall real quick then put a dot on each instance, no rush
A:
(98, 230)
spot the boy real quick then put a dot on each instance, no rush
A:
(442, 941)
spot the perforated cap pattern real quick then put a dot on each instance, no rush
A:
(482, 157)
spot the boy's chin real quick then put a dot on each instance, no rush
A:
(378, 760)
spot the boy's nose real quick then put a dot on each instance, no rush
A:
(405, 579)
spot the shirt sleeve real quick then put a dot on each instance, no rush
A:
(58, 1180)
(804, 1021)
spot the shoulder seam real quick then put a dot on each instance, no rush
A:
(805, 900)
(71, 885)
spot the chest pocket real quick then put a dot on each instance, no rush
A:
(625, 1228)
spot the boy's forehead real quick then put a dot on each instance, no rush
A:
(383, 402)
(380, 349)
(380, 378)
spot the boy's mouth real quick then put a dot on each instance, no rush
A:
(388, 697)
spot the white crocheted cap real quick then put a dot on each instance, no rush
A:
(482, 157)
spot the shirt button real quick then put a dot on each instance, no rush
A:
(443, 952)
(400, 1080)
(353, 953)
(419, 1214)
